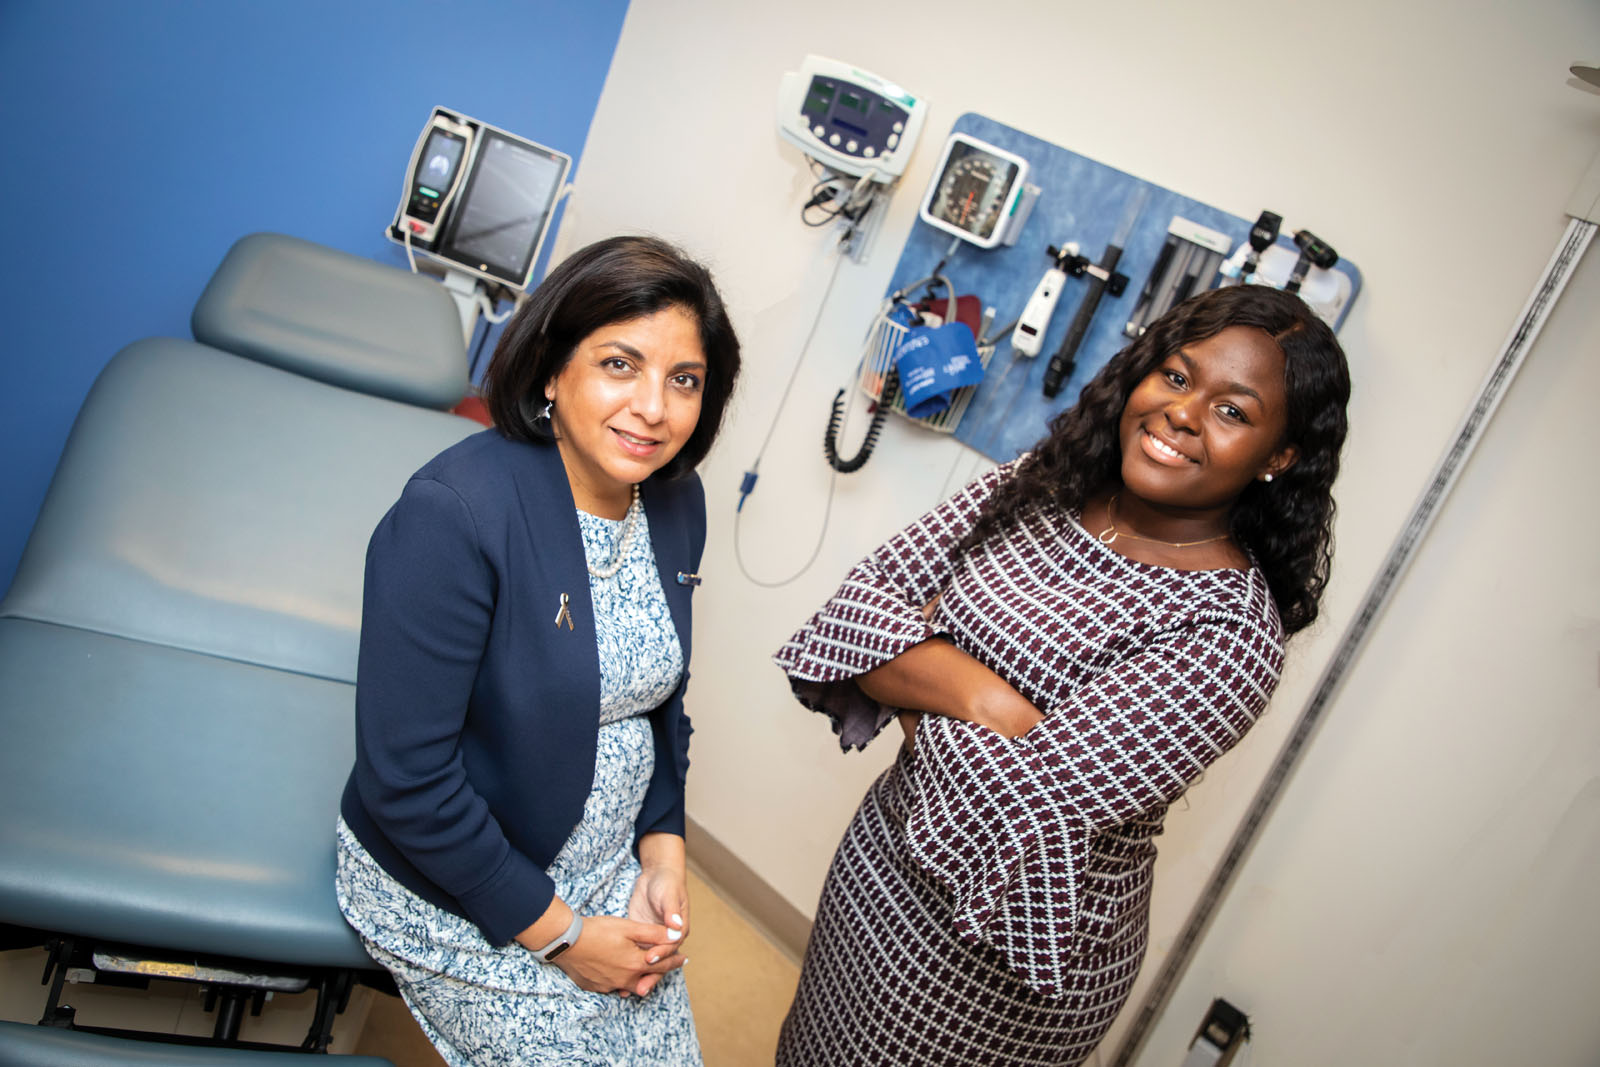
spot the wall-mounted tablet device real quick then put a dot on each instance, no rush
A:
(505, 191)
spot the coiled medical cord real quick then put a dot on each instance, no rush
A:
(830, 436)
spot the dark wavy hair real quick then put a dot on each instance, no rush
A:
(610, 281)
(1285, 524)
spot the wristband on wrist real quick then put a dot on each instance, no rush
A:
(562, 943)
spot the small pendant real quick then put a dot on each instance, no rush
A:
(564, 615)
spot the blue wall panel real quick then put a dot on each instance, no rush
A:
(144, 138)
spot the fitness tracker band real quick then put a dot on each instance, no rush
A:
(562, 943)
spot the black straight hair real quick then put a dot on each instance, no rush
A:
(610, 281)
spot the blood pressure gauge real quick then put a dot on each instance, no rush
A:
(975, 191)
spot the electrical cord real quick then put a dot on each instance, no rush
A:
(816, 549)
(750, 476)
(828, 189)
(830, 436)
(823, 192)
(486, 307)
(794, 372)
(854, 208)
(822, 534)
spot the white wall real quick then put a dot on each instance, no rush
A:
(1435, 146)
(1430, 877)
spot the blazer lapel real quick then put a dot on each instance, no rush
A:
(551, 518)
(668, 537)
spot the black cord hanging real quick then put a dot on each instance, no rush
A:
(830, 437)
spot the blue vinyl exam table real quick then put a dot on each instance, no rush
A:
(178, 648)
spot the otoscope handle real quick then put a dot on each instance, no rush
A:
(1061, 364)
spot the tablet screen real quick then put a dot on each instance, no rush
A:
(504, 209)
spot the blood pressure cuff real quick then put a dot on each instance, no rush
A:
(933, 362)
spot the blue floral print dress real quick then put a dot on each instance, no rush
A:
(484, 1005)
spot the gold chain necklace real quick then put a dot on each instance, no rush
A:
(1111, 533)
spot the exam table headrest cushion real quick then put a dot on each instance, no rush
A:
(335, 317)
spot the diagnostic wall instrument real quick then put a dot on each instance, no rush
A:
(1102, 277)
(850, 124)
(895, 319)
(1030, 330)
(437, 164)
(1314, 252)
(1187, 264)
(1262, 236)
(849, 119)
(1302, 264)
(980, 193)
(857, 131)
(1083, 201)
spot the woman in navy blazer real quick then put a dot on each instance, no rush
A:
(511, 836)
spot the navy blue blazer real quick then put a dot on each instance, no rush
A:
(476, 715)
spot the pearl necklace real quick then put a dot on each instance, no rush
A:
(1111, 533)
(629, 521)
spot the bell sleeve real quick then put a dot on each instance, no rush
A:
(1006, 824)
(877, 614)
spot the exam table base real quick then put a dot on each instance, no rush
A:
(231, 987)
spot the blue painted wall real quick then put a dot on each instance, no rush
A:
(144, 137)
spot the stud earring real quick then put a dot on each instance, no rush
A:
(545, 414)
(1265, 477)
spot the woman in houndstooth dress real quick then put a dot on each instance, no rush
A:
(1068, 643)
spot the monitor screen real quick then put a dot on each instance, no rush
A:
(442, 153)
(500, 216)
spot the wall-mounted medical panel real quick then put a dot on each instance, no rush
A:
(1171, 246)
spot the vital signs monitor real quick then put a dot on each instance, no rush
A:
(849, 119)
(478, 198)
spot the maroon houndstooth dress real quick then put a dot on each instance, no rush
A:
(989, 902)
